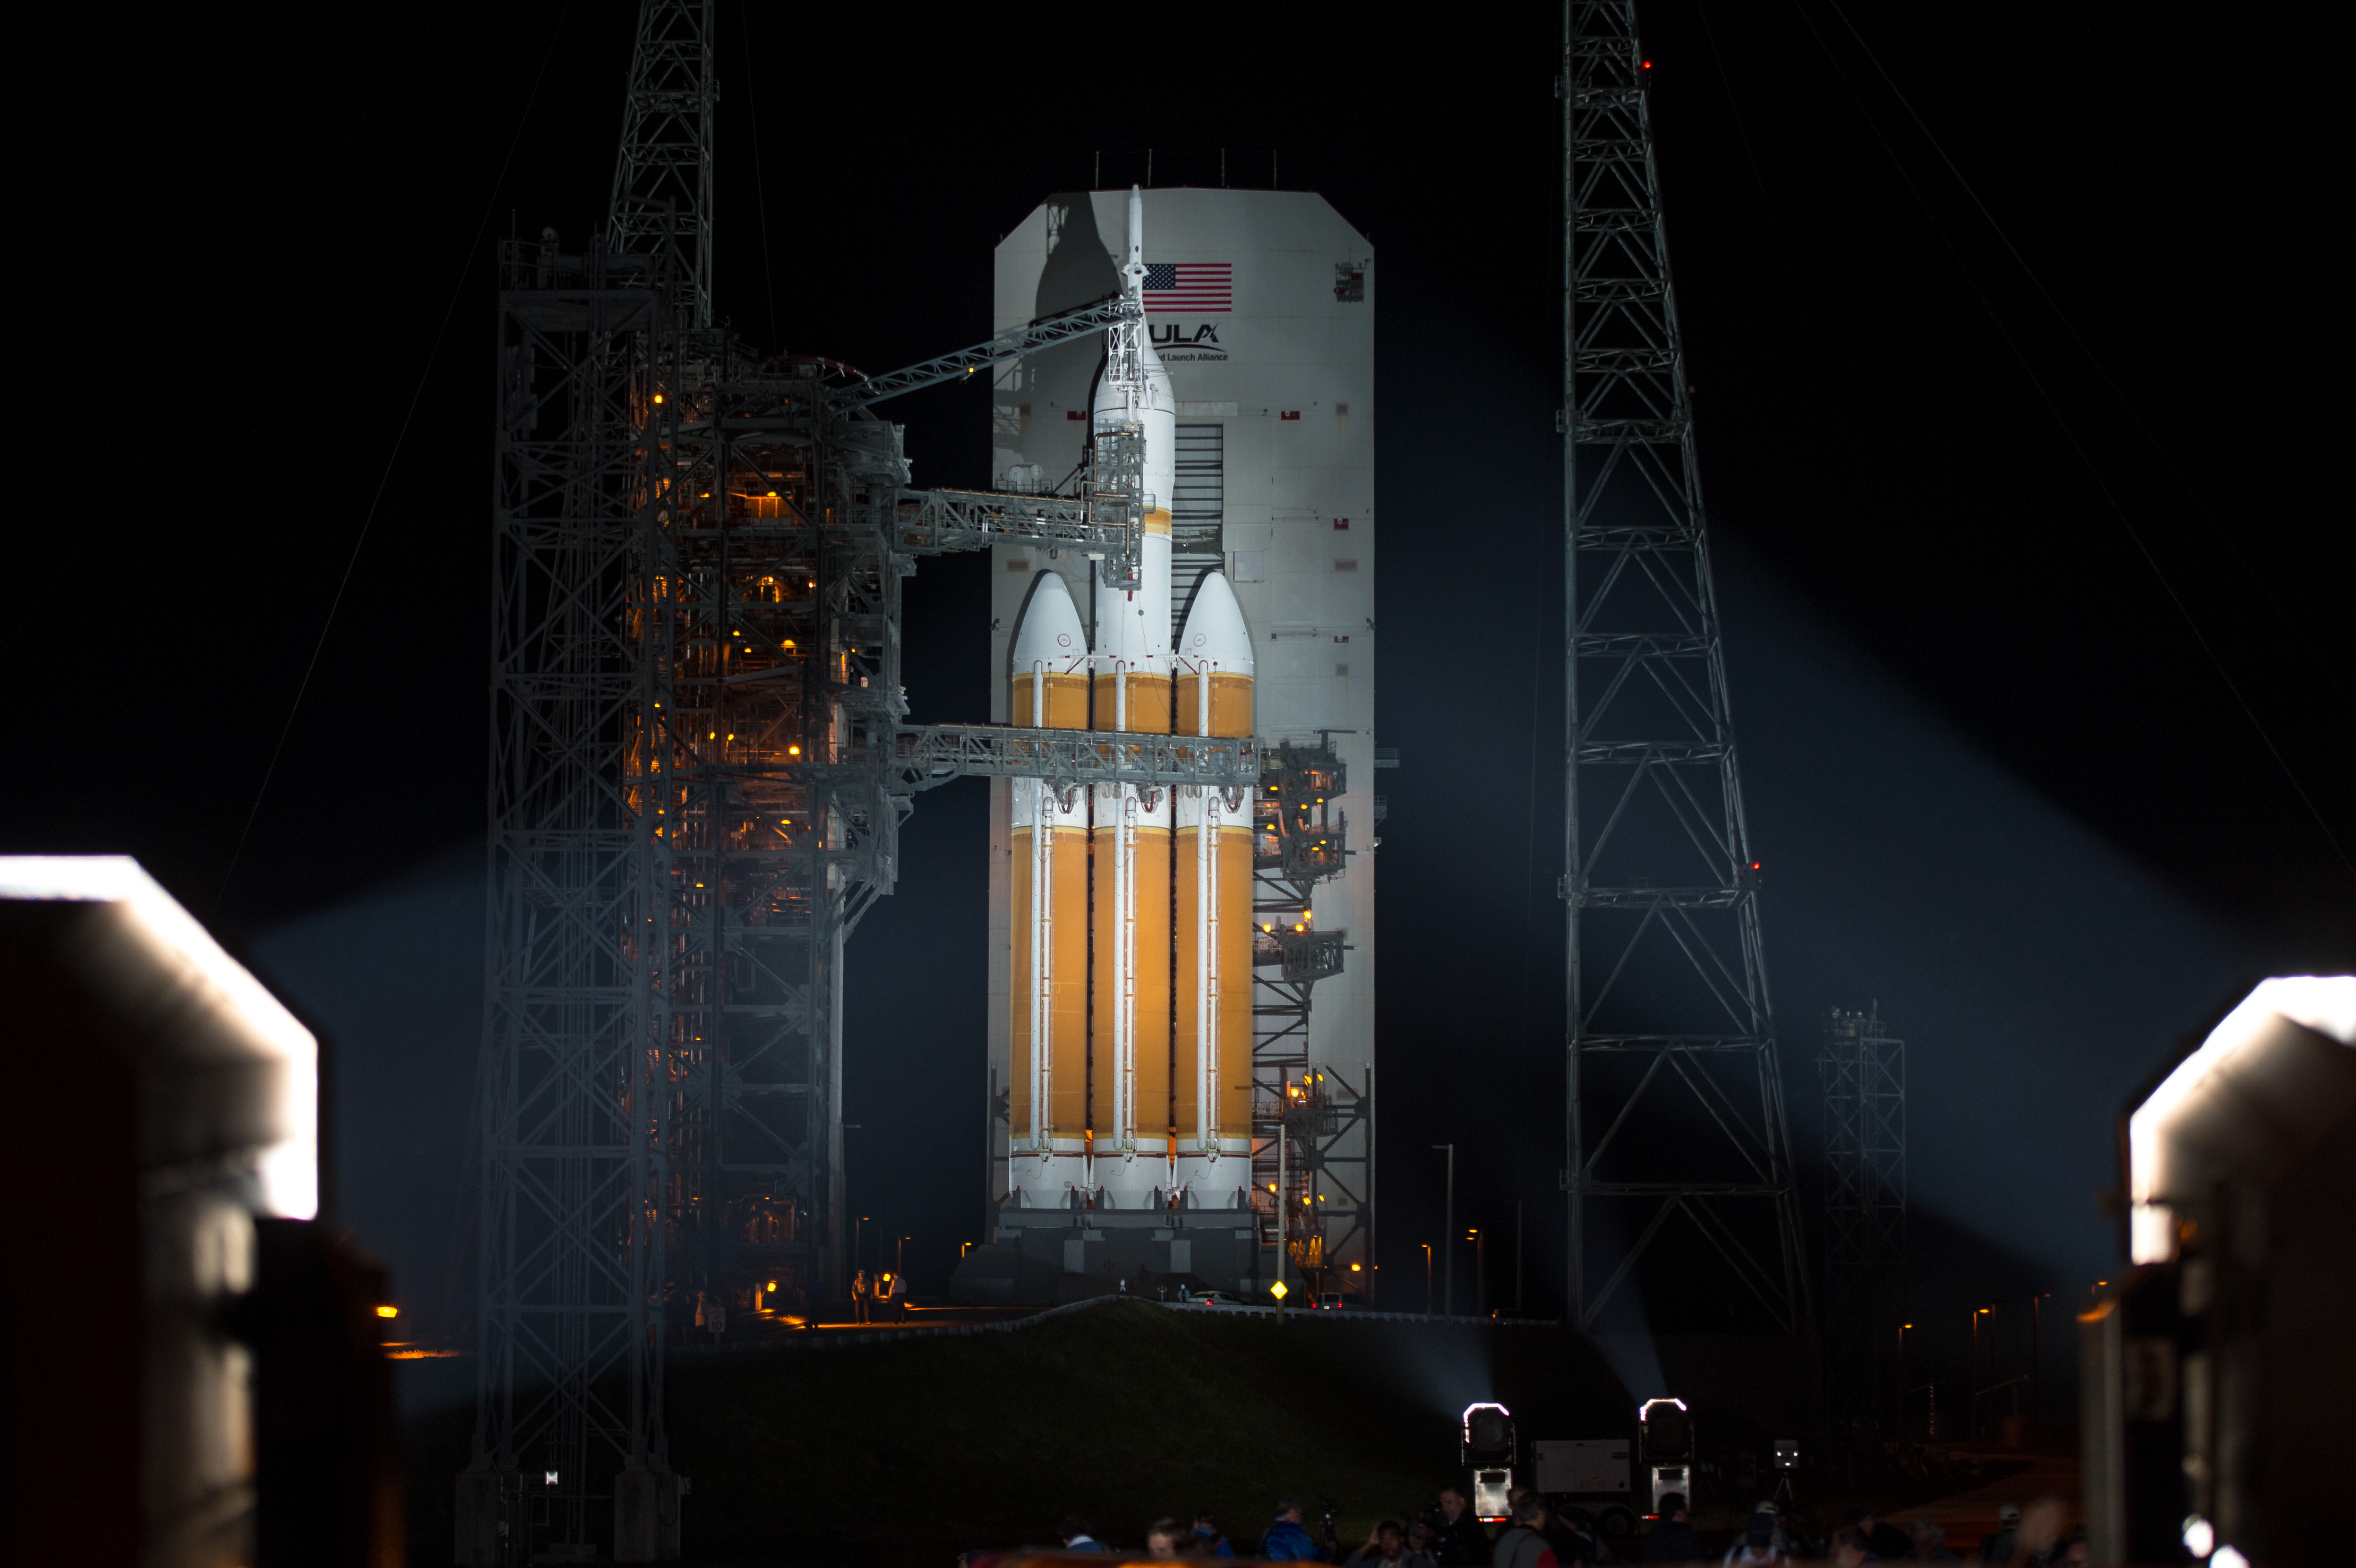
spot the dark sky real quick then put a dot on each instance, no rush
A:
(2035, 571)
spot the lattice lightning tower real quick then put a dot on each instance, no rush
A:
(662, 180)
(1675, 1105)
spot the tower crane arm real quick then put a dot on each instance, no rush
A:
(925, 755)
(1044, 333)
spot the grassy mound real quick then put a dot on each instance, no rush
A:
(910, 1452)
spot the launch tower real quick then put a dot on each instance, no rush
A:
(1676, 1100)
(699, 769)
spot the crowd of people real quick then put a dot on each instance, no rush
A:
(1538, 1534)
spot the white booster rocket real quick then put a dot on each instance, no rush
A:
(1214, 844)
(1049, 888)
(1163, 1037)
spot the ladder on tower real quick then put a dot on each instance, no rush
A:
(1197, 515)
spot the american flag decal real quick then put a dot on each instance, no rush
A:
(1192, 288)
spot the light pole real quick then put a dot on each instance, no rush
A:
(1972, 1421)
(1427, 1278)
(1447, 1228)
(850, 1127)
(1517, 1256)
(1283, 1215)
(1903, 1389)
(1480, 1271)
(2036, 1383)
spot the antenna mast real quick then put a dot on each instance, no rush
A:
(662, 178)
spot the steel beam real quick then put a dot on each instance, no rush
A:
(923, 757)
(1044, 333)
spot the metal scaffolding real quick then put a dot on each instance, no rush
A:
(1326, 1185)
(570, 1255)
(1666, 978)
(698, 778)
(662, 176)
(1863, 1072)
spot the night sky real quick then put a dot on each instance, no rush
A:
(2035, 576)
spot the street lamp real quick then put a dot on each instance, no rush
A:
(1972, 1425)
(1903, 1389)
(1480, 1271)
(1427, 1278)
(1284, 1184)
(1447, 1228)
(1517, 1256)
(2036, 1383)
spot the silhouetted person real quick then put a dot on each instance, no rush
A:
(1523, 1543)
(859, 1296)
(1671, 1539)
(1756, 1547)
(1883, 1539)
(1077, 1536)
(1207, 1539)
(1999, 1550)
(1849, 1548)
(1458, 1538)
(1286, 1541)
(1930, 1544)
(1386, 1547)
(1162, 1538)
(1572, 1533)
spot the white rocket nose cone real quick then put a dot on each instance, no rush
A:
(1215, 636)
(1050, 632)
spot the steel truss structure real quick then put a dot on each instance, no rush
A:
(1863, 1072)
(1327, 1180)
(1676, 1102)
(698, 778)
(662, 178)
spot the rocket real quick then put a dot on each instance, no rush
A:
(1131, 1028)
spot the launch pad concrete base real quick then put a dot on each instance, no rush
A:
(1042, 1256)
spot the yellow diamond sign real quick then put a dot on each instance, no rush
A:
(1278, 1290)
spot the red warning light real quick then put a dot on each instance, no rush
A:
(1648, 65)
(1754, 865)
